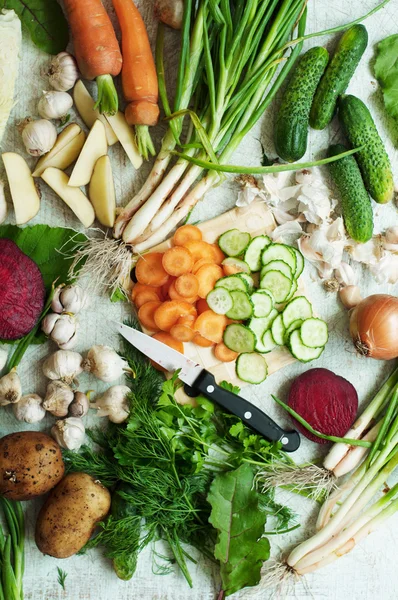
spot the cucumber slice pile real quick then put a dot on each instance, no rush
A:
(233, 282)
(254, 251)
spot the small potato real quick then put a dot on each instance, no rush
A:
(70, 514)
(30, 465)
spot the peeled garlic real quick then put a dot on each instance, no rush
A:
(58, 398)
(350, 296)
(54, 105)
(79, 406)
(105, 363)
(391, 239)
(69, 433)
(113, 404)
(3, 359)
(29, 409)
(345, 274)
(61, 329)
(39, 137)
(64, 365)
(3, 203)
(71, 299)
(63, 72)
(10, 388)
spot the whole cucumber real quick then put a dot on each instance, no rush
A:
(292, 122)
(338, 74)
(373, 160)
(356, 205)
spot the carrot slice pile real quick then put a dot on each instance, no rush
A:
(146, 315)
(211, 326)
(201, 263)
(140, 287)
(174, 295)
(149, 270)
(177, 261)
(182, 333)
(207, 277)
(186, 233)
(201, 306)
(144, 297)
(218, 254)
(169, 312)
(199, 249)
(199, 340)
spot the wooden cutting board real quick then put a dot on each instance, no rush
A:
(256, 219)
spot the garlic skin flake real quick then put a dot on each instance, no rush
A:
(63, 72)
(113, 404)
(39, 137)
(70, 299)
(54, 105)
(62, 329)
(69, 433)
(64, 365)
(29, 409)
(345, 275)
(104, 363)
(10, 388)
(58, 398)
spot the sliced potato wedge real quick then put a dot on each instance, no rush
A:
(85, 107)
(72, 196)
(102, 192)
(24, 194)
(94, 147)
(65, 151)
(125, 135)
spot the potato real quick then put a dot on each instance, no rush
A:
(73, 197)
(30, 465)
(126, 137)
(65, 151)
(94, 147)
(70, 514)
(102, 192)
(85, 107)
(25, 197)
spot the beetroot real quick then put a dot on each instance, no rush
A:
(328, 402)
(22, 292)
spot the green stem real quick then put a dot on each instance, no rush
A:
(108, 102)
(144, 141)
(385, 426)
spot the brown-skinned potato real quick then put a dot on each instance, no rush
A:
(70, 514)
(30, 465)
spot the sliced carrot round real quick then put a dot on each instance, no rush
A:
(207, 277)
(185, 233)
(144, 297)
(165, 288)
(167, 339)
(181, 332)
(224, 354)
(200, 249)
(140, 287)
(199, 340)
(177, 261)
(146, 315)
(211, 326)
(187, 320)
(201, 306)
(201, 263)
(169, 312)
(174, 295)
(218, 254)
(187, 285)
(149, 270)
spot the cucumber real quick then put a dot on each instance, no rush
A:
(373, 160)
(295, 325)
(251, 367)
(293, 290)
(278, 284)
(259, 326)
(263, 303)
(300, 351)
(239, 338)
(248, 279)
(335, 80)
(356, 205)
(292, 123)
(314, 333)
(220, 300)
(254, 251)
(299, 261)
(234, 242)
(232, 282)
(279, 252)
(298, 308)
(277, 265)
(240, 266)
(278, 330)
(268, 342)
(242, 306)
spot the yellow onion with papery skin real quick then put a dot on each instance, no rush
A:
(374, 327)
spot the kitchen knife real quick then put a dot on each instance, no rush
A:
(203, 382)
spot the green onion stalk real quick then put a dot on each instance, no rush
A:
(234, 58)
(12, 553)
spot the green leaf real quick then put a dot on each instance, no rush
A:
(235, 514)
(230, 387)
(47, 246)
(386, 72)
(45, 22)
(118, 296)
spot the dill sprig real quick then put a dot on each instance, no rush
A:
(62, 575)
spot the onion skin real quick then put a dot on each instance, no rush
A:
(374, 327)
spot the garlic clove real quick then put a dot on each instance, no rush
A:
(350, 296)
(56, 304)
(64, 365)
(71, 299)
(69, 433)
(39, 137)
(58, 398)
(103, 362)
(10, 388)
(345, 274)
(63, 72)
(54, 105)
(61, 329)
(80, 405)
(29, 409)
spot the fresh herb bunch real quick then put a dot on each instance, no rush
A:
(163, 461)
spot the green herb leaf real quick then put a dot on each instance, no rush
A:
(45, 22)
(235, 514)
(62, 575)
(118, 296)
(386, 71)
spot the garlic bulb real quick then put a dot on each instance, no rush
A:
(39, 137)
(54, 105)
(105, 363)
(64, 365)
(79, 406)
(62, 329)
(113, 404)
(29, 409)
(3, 203)
(71, 299)
(63, 72)
(10, 388)
(58, 398)
(69, 433)
(3, 359)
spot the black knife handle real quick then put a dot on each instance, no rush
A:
(251, 415)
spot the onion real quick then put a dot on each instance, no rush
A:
(374, 327)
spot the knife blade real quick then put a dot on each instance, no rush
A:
(201, 381)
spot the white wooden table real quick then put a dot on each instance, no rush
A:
(370, 571)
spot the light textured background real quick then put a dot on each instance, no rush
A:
(370, 571)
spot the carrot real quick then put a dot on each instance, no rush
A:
(144, 297)
(221, 352)
(146, 315)
(201, 263)
(174, 295)
(201, 306)
(167, 339)
(187, 320)
(187, 285)
(218, 254)
(149, 270)
(199, 250)
(199, 340)
(140, 287)
(169, 312)
(211, 326)
(182, 333)
(166, 287)
(207, 277)
(96, 48)
(186, 233)
(177, 261)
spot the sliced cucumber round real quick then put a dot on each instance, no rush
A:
(259, 326)
(251, 367)
(279, 252)
(232, 282)
(300, 351)
(254, 251)
(277, 265)
(299, 262)
(314, 333)
(278, 330)
(293, 290)
(219, 300)
(239, 338)
(234, 242)
(240, 265)
(263, 303)
(268, 341)
(278, 284)
(295, 325)
(242, 306)
(298, 308)
(248, 279)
